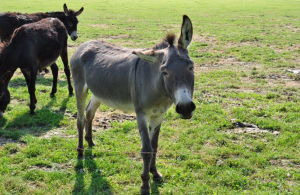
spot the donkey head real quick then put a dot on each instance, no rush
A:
(71, 21)
(176, 69)
(4, 93)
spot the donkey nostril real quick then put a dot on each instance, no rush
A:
(193, 106)
(178, 109)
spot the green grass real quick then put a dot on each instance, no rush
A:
(241, 50)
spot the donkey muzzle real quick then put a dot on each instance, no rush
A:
(74, 35)
(185, 110)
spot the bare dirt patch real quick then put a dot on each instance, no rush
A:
(210, 40)
(232, 61)
(57, 133)
(103, 120)
(244, 128)
(99, 25)
(4, 141)
(171, 28)
(52, 167)
(279, 49)
(249, 130)
(116, 37)
(286, 163)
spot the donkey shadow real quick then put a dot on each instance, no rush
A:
(20, 82)
(98, 185)
(33, 124)
(155, 188)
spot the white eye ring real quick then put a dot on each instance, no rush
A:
(70, 23)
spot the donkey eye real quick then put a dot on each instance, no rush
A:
(165, 73)
(191, 68)
(70, 23)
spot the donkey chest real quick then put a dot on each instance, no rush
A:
(158, 109)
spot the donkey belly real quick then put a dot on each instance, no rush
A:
(111, 91)
(117, 104)
(45, 61)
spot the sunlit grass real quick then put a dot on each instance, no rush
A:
(241, 50)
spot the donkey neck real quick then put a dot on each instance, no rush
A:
(149, 83)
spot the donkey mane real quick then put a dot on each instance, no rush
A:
(72, 12)
(7, 48)
(3, 45)
(4, 49)
(167, 41)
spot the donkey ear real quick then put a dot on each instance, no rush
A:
(186, 33)
(66, 10)
(5, 78)
(79, 12)
(150, 55)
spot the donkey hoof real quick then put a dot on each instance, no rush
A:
(157, 176)
(158, 179)
(52, 95)
(71, 94)
(91, 144)
(32, 112)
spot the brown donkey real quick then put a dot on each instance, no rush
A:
(147, 82)
(9, 21)
(33, 47)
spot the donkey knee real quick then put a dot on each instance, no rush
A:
(80, 123)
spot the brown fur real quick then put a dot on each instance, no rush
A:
(33, 47)
(9, 21)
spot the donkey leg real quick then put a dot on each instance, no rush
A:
(31, 88)
(54, 70)
(154, 129)
(81, 94)
(64, 58)
(146, 152)
(27, 79)
(91, 108)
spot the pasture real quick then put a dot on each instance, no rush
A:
(242, 51)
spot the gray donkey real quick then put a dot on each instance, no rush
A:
(144, 81)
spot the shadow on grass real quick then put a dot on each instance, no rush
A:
(20, 82)
(98, 184)
(43, 121)
(155, 186)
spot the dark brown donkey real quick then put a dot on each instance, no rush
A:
(33, 47)
(10, 21)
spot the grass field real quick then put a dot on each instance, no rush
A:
(241, 51)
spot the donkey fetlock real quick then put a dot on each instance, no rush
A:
(80, 152)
